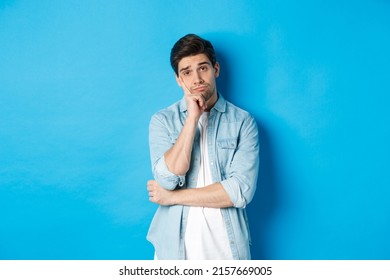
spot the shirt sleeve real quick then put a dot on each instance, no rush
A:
(160, 141)
(241, 177)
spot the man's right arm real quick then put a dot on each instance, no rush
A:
(178, 157)
(170, 157)
(171, 160)
(161, 139)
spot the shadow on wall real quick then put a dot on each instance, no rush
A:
(264, 204)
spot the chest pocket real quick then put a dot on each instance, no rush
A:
(225, 153)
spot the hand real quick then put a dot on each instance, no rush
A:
(158, 194)
(196, 103)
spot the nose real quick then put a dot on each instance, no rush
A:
(198, 79)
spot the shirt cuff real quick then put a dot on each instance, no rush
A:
(166, 178)
(232, 188)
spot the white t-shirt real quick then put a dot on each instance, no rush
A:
(206, 236)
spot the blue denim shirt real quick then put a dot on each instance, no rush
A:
(234, 158)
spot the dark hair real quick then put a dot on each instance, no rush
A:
(190, 45)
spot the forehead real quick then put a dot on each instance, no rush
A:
(193, 61)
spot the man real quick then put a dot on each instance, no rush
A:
(205, 157)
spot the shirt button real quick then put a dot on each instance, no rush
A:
(212, 163)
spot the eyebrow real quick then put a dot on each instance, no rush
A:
(185, 68)
(199, 64)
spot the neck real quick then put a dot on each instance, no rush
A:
(212, 100)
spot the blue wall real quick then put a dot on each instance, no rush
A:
(79, 81)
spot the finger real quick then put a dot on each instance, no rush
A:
(150, 182)
(198, 98)
(184, 87)
(202, 101)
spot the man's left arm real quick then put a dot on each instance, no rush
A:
(241, 179)
(212, 196)
(236, 190)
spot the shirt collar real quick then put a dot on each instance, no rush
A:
(219, 106)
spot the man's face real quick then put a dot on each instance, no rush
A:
(197, 75)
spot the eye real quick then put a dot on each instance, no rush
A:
(203, 68)
(186, 73)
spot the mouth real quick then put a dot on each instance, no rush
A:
(200, 88)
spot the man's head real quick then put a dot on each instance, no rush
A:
(191, 45)
(194, 62)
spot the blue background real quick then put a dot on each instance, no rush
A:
(79, 81)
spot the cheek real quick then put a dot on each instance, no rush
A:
(182, 82)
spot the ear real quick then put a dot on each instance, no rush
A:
(217, 69)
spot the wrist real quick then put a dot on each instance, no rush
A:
(191, 119)
(173, 198)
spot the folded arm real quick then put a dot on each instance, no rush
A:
(171, 157)
(212, 196)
